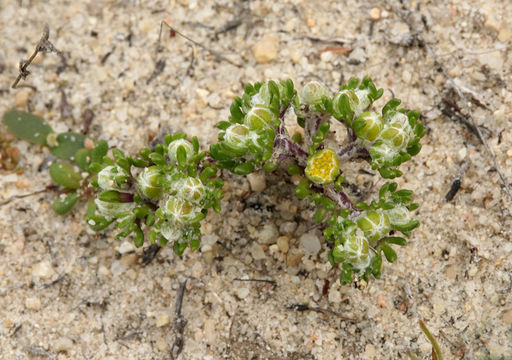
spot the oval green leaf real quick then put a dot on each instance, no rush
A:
(64, 203)
(27, 126)
(68, 144)
(65, 175)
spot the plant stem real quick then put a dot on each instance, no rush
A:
(435, 346)
(341, 199)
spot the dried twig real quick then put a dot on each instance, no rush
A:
(66, 111)
(87, 117)
(273, 282)
(44, 45)
(336, 40)
(179, 323)
(211, 51)
(52, 283)
(159, 67)
(14, 197)
(38, 351)
(304, 307)
(406, 15)
(238, 20)
(15, 329)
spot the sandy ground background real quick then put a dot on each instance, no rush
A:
(68, 293)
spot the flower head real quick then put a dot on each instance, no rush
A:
(323, 167)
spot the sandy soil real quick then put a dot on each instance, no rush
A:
(68, 293)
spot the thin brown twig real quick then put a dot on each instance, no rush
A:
(179, 323)
(211, 51)
(14, 197)
(273, 282)
(337, 40)
(304, 307)
(44, 45)
(407, 17)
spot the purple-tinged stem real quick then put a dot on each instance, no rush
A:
(351, 152)
(342, 199)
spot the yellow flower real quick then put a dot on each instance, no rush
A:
(323, 167)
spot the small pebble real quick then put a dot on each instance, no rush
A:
(242, 293)
(161, 345)
(494, 60)
(23, 183)
(117, 268)
(33, 303)
(357, 56)
(88, 144)
(265, 50)
(257, 181)
(283, 243)
(103, 271)
(63, 344)
(370, 352)
(129, 259)
(451, 272)
(334, 296)
(310, 243)
(426, 348)
(375, 14)
(472, 271)
(381, 301)
(208, 256)
(268, 235)
(288, 227)
(42, 270)
(294, 257)
(126, 247)
(507, 317)
(257, 252)
(162, 320)
(210, 330)
(21, 98)
(505, 35)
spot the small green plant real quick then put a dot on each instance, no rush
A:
(162, 195)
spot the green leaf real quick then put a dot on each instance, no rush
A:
(27, 126)
(98, 223)
(152, 236)
(194, 244)
(99, 151)
(64, 203)
(377, 265)
(389, 253)
(179, 248)
(65, 175)
(396, 240)
(346, 274)
(139, 237)
(243, 169)
(83, 158)
(67, 145)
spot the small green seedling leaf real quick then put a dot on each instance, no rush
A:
(99, 151)
(27, 126)
(67, 145)
(83, 158)
(64, 203)
(65, 175)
